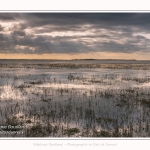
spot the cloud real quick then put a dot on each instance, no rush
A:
(103, 20)
(8, 16)
(1, 28)
(45, 33)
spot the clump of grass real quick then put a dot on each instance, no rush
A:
(145, 102)
(102, 133)
(46, 100)
(28, 121)
(35, 131)
(105, 134)
(55, 129)
(126, 134)
(35, 82)
(106, 120)
(116, 132)
(71, 131)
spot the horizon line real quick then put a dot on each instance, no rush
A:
(73, 59)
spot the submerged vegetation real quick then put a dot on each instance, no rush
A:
(75, 100)
(76, 66)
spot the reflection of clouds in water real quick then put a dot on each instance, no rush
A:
(78, 87)
(42, 98)
(67, 86)
(115, 78)
(144, 85)
(7, 93)
(116, 85)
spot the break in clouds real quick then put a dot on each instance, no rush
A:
(45, 33)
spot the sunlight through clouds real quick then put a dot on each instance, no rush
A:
(118, 35)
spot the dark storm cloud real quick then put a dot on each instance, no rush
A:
(106, 20)
(8, 16)
(74, 32)
(125, 48)
(19, 33)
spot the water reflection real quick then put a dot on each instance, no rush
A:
(89, 102)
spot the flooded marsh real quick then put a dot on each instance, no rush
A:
(74, 100)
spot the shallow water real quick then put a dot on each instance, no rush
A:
(87, 99)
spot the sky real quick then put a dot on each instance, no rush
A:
(75, 36)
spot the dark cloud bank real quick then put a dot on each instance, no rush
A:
(41, 33)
